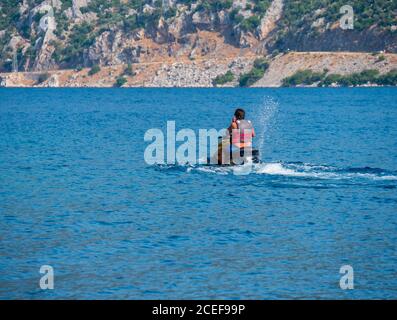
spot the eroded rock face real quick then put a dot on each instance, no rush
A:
(176, 35)
(17, 43)
(44, 60)
(162, 34)
(244, 39)
(45, 49)
(204, 20)
(223, 18)
(268, 22)
(103, 51)
(178, 26)
(113, 47)
(203, 46)
(45, 31)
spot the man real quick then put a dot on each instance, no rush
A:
(240, 137)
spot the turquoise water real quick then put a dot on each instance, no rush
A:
(76, 194)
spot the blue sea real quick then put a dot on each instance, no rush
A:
(76, 194)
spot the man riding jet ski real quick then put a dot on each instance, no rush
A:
(236, 147)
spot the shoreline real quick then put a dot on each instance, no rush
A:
(201, 73)
(212, 88)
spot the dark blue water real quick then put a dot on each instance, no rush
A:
(76, 194)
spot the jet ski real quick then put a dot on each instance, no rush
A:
(232, 158)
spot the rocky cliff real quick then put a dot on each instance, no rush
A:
(179, 42)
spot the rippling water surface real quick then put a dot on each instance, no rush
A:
(76, 194)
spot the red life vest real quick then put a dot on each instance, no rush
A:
(243, 133)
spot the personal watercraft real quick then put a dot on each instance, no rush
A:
(230, 156)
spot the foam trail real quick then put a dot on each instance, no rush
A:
(305, 171)
(277, 169)
(265, 112)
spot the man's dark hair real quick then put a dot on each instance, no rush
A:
(239, 114)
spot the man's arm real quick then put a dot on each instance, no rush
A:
(232, 126)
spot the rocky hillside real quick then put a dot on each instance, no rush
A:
(315, 26)
(46, 35)
(210, 72)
